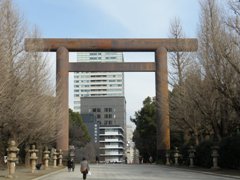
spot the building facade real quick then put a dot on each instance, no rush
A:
(101, 94)
(129, 153)
(92, 125)
(95, 84)
(111, 115)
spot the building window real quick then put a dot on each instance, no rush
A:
(108, 116)
(98, 116)
(107, 109)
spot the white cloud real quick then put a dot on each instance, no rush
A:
(145, 18)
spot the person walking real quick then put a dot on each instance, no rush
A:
(150, 159)
(84, 168)
(73, 164)
(69, 165)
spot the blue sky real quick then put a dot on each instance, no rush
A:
(113, 19)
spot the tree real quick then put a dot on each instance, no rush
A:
(145, 135)
(218, 56)
(179, 61)
(205, 96)
(78, 133)
(27, 102)
(182, 109)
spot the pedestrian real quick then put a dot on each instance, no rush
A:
(97, 159)
(150, 159)
(84, 168)
(69, 165)
(72, 164)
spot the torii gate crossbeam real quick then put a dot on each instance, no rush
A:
(160, 46)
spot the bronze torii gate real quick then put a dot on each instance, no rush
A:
(159, 46)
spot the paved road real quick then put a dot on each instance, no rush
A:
(134, 172)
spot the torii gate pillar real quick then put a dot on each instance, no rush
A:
(162, 103)
(62, 64)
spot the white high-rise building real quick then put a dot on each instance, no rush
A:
(88, 84)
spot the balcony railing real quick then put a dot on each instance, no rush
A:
(111, 140)
(112, 154)
(112, 147)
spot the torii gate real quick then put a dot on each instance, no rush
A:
(62, 47)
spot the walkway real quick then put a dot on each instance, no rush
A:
(136, 172)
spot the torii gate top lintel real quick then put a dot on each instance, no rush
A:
(128, 45)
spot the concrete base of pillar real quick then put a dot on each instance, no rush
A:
(215, 168)
(161, 156)
(11, 177)
(65, 157)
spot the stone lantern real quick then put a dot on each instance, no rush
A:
(12, 151)
(46, 157)
(176, 155)
(60, 157)
(71, 152)
(191, 156)
(167, 158)
(33, 157)
(215, 156)
(55, 154)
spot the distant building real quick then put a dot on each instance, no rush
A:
(130, 145)
(110, 112)
(92, 125)
(101, 95)
(111, 144)
(97, 84)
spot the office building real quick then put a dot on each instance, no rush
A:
(95, 84)
(111, 115)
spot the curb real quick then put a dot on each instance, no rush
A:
(48, 174)
(203, 172)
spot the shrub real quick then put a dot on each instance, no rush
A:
(203, 154)
(176, 139)
(185, 153)
(230, 152)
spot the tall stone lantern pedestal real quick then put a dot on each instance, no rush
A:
(46, 153)
(71, 151)
(12, 151)
(60, 157)
(191, 152)
(33, 157)
(215, 156)
(55, 154)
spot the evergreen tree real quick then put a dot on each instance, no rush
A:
(78, 132)
(144, 135)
